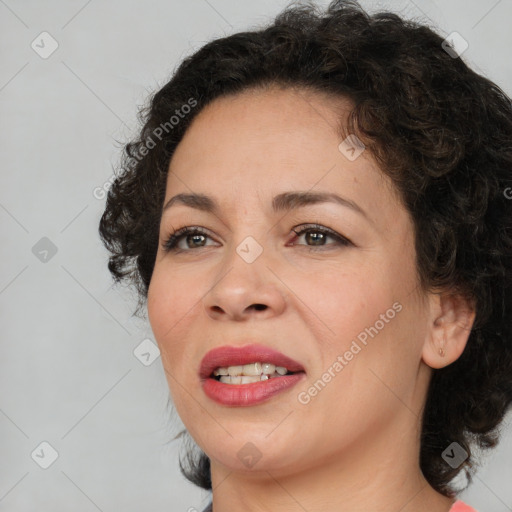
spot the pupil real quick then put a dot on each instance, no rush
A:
(195, 238)
(317, 238)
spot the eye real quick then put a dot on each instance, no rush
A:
(194, 237)
(317, 236)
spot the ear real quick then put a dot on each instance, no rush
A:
(450, 321)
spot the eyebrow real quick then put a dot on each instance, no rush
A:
(282, 202)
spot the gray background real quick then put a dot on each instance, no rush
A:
(69, 375)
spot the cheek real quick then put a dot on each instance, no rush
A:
(172, 299)
(341, 302)
(367, 311)
(172, 312)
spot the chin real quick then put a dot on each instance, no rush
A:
(253, 452)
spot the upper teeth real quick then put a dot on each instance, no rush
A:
(252, 369)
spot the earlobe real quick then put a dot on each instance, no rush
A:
(450, 324)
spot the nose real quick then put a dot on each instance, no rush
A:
(241, 291)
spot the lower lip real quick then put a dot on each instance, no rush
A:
(243, 395)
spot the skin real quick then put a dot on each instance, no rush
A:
(355, 445)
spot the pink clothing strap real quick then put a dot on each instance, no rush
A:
(460, 506)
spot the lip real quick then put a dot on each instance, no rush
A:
(234, 356)
(240, 395)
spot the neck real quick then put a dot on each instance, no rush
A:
(380, 475)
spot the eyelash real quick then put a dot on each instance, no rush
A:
(172, 241)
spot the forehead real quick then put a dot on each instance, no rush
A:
(263, 142)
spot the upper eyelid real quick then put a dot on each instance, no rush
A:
(299, 231)
(301, 227)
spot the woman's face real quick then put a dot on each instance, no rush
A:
(348, 314)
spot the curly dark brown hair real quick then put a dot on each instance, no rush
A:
(439, 130)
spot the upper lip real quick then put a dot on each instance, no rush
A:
(229, 355)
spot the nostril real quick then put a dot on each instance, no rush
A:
(259, 307)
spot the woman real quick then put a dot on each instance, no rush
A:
(316, 215)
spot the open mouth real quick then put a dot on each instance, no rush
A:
(239, 376)
(249, 373)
